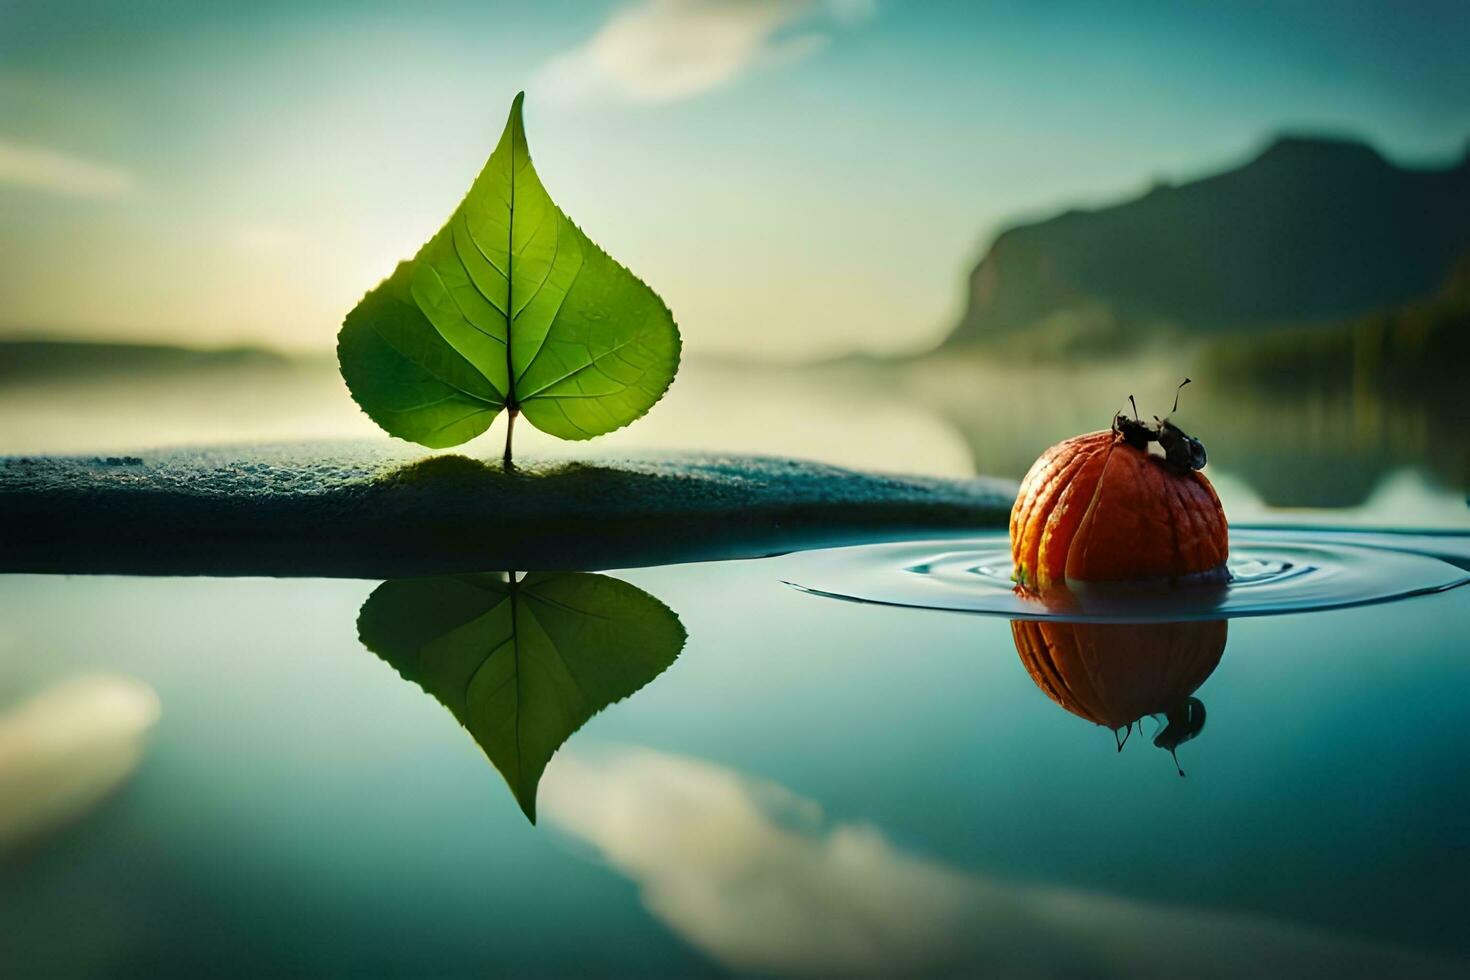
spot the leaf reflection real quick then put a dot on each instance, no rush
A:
(1116, 674)
(522, 663)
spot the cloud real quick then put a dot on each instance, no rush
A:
(36, 168)
(752, 875)
(64, 750)
(665, 50)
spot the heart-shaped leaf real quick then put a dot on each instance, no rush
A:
(521, 663)
(510, 306)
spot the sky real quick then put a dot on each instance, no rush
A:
(797, 178)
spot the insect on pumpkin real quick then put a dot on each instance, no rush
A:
(1180, 448)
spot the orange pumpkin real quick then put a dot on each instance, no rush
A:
(1101, 508)
(1114, 674)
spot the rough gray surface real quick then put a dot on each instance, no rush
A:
(381, 510)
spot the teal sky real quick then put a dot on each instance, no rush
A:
(796, 177)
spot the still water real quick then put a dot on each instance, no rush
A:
(210, 777)
(744, 773)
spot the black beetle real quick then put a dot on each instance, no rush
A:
(1180, 448)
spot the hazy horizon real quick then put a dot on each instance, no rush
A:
(798, 178)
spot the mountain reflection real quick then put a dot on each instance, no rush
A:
(521, 662)
(1311, 440)
(1116, 674)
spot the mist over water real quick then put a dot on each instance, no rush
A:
(1333, 449)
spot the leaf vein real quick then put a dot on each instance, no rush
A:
(591, 364)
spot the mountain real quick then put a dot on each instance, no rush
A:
(1312, 230)
(33, 359)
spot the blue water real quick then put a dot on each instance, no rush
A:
(811, 786)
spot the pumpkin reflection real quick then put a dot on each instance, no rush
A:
(1116, 674)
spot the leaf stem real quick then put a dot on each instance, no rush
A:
(510, 293)
(510, 428)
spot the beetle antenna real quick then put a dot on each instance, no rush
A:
(1135, 407)
(1176, 396)
(1175, 756)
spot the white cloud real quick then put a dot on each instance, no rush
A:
(36, 168)
(63, 750)
(752, 875)
(665, 50)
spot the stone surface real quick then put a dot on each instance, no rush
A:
(382, 509)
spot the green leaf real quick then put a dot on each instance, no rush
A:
(511, 306)
(522, 664)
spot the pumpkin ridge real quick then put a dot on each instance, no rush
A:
(1085, 524)
(1056, 657)
(1206, 554)
(1048, 476)
(1042, 502)
(1031, 641)
(1042, 473)
(1063, 692)
(1026, 500)
(1173, 525)
(1172, 492)
(1218, 534)
(1094, 699)
(1064, 518)
(1026, 550)
(1022, 507)
(1197, 532)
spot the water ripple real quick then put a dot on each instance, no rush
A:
(1272, 571)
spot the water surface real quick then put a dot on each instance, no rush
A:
(806, 785)
(1269, 572)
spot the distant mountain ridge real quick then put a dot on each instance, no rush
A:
(38, 359)
(1311, 230)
